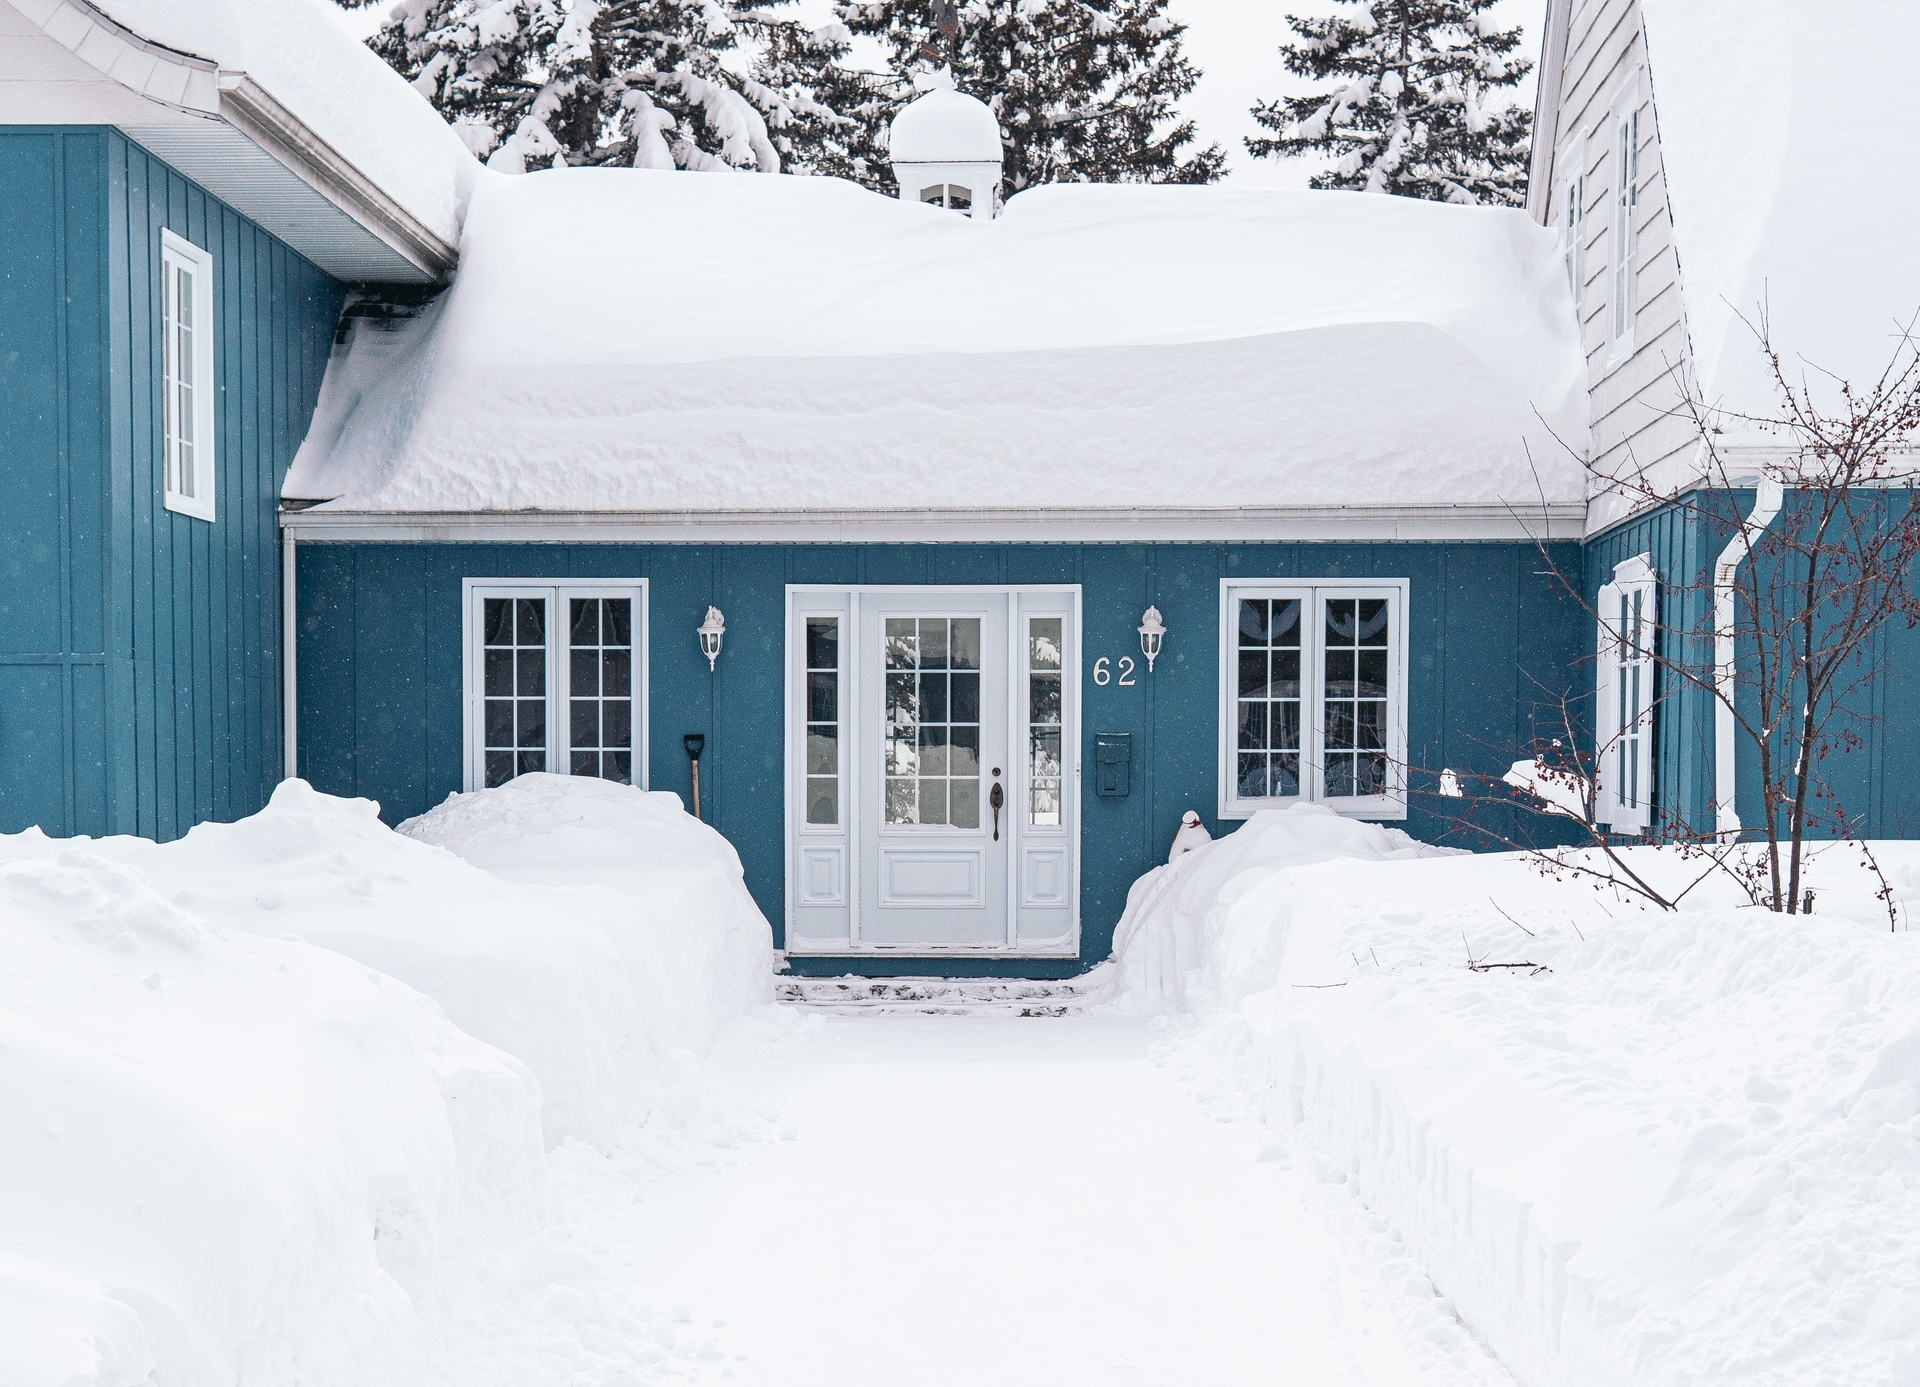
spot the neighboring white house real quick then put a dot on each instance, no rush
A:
(1707, 160)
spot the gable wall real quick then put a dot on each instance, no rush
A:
(141, 664)
(1633, 393)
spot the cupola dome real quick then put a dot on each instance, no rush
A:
(945, 150)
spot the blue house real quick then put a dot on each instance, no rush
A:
(973, 550)
(188, 200)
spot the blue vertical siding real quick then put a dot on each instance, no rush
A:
(1492, 639)
(139, 649)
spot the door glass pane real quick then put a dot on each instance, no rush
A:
(600, 692)
(823, 718)
(933, 721)
(1046, 780)
(514, 687)
(1267, 736)
(1354, 698)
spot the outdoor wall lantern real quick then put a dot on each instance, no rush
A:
(1152, 630)
(711, 630)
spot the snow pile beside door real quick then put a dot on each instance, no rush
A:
(232, 1154)
(1688, 1153)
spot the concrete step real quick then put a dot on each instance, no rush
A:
(939, 996)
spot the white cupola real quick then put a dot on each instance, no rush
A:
(945, 149)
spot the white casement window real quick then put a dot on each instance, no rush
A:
(953, 195)
(1621, 254)
(186, 376)
(1313, 696)
(556, 680)
(1629, 613)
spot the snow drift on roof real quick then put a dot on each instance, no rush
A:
(1786, 139)
(299, 53)
(623, 340)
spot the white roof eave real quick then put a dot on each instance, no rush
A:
(229, 134)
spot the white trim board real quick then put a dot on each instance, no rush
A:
(1240, 525)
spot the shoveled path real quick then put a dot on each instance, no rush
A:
(998, 1201)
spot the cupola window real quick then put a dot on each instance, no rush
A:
(950, 195)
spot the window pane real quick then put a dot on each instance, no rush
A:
(903, 642)
(933, 697)
(616, 673)
(1342, 620)
(1043, 699)
(933, 752)
(1253, 673)
(531, 716)
(1044, 642)
(1286, 622)
(498, 679)
(1373, 622)
(532, 682)
(1253, 622)
(585, 674)
(531, 616)
(903, 806)
(496, 622)
(823, 801)
(499, 768)
(1253, 725)
(963, 809)
(617, 766)
(933, 801)
(616, 616)
(964, 743)
(958, 198)
(823, 751)
(965, 649)
(1044, 751)
(823, 697)
(933, 644)
(616, 723)
(823, 643)
(1252, 778)
(499, 729)
(966, 697)
(586, 724)
(586, 763)
(585, 624)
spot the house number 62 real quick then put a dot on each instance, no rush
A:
(1103, 671)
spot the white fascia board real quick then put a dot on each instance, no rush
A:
(185, 110)
(1249, 525)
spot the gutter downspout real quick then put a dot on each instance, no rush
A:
(289, 662)
(1769, 497)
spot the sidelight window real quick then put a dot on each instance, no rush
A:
(1046, 780)
(823, 719)
(1313, 697)
(1629, 629)
(555, 681)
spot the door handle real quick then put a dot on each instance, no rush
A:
(996, 797)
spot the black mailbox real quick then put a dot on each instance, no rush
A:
(1113, 764)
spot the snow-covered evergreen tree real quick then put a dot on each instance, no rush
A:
(1084, 89)
(1414, 106)
(649, 83)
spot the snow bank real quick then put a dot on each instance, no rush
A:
(227, 1157)
(1780, 128)
(593, 931)
(299, 52)
(1669, 1149)
(232, 1154)
(1161, 346)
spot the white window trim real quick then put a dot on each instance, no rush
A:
(474, 591)
(1393, 804)
(176, 252)
(1634, 576)
(1623, 194)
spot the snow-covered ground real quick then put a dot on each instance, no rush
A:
(500, 1099)
(1672, 1149)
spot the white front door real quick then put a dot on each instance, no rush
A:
(931, 806)
(933, 758)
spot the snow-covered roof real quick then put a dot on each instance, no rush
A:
(1786, 136)
(944, 127)
(637, 342)
(270, 104)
